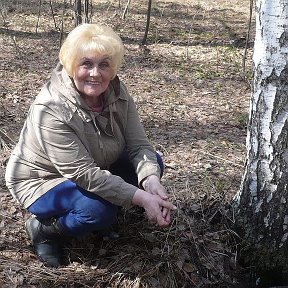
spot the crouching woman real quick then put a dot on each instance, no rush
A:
(82, 152)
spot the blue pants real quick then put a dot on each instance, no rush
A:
(79, 211)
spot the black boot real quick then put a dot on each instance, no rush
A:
(45, 235)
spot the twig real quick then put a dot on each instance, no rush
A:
(5, 24)
(5, 136)
(247, 36)
(126, 9)
(4, 145)
(220, 158)
(62, 24)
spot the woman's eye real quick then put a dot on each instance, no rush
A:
(87, 64)
(104, 64)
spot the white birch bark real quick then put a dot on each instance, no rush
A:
(262, 202)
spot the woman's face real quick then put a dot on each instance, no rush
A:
(93, 74)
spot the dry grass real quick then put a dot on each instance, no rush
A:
(193, 99)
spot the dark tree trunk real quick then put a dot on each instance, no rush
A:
(147, 22)
(78, 12)
(86, 11)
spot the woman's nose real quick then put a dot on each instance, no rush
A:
(94, 71)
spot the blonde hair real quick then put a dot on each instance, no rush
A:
(91, 38)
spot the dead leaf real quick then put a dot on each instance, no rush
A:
(195, 207)
(156, 251)
(12, 210)
(189, 267)
(102, 252)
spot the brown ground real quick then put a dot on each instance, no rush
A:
(193, 97)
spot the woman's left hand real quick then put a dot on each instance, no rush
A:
(153, 186)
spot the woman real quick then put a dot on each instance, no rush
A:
(81, 134)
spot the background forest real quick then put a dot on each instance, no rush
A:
(192, 93)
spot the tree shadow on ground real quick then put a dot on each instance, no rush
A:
(186, 132)
(32, 35)
(170, 23)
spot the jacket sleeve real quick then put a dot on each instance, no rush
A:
(69, 156)
(141, 152)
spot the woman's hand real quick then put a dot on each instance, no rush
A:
(152, 185)
(154, 207)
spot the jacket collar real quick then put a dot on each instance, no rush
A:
(64, 83)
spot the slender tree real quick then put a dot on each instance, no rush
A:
(86, 11)
(78, 11)
(261, 206)
(147, 22)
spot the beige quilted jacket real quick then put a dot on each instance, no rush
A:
(61, 139)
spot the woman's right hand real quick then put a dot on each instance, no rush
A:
(154, 207)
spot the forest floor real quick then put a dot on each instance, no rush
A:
(193, 97)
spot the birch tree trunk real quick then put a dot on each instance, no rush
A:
(262, 202)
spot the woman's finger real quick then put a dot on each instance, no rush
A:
(162, 222)
(168, 205)
(164, 212)
(162, 194)
(168, 217)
